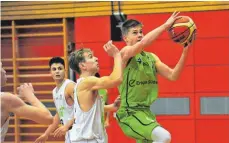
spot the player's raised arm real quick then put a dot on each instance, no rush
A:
(81, 59)
(133, 28)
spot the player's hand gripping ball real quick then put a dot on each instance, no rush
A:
(183, 30)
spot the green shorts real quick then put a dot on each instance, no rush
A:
(137, 124)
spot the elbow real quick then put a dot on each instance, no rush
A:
(118, 81)
(49, 119)
(173, 78)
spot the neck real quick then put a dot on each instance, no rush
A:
(86, 74)
(59, 83)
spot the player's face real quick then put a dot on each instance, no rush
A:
(57, 71)
(134, 35)
(91, 62)
(3, 75)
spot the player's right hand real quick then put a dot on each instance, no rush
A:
(171, 19)
(41, 139)
(111, 49)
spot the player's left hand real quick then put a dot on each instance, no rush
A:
(61, 131)
(106, 124)
(117, 102)
(191, 41)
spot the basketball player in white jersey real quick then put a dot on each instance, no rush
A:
(13, 104)
(63, 98)
(88, 108)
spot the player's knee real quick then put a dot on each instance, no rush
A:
(161, 135)
(167, 137)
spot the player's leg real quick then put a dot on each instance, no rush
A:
(139, 125)
(160, 135)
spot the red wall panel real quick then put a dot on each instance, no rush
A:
(198, 97)
(182, 131)
(170, 52)
(115, 134)
(212, 51)
(210, 48)
(211, 78)
(184, 84)
(41, 47)
(212, 131)
(212, 23)
(92, 29)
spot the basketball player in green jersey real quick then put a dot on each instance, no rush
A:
(139, 88)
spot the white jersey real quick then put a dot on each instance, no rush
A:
(64, 110)
(4, 128)
(88, 126)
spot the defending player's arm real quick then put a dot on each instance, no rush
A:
(36, 111)
(130, 51)
(167, 72)
(50, 129)
(61, 131)
(114, 106)
(115, 78)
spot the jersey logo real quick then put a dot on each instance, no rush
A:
(132, 83)
(139, 60)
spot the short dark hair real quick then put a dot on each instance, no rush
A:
(77, 57)
(57, 60)
(129, 24)
(97, 75)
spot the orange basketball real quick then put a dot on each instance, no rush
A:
(183, 30)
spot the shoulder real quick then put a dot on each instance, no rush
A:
(70, 85)
(7, 96)
(10, 100)
(124, 52)
(88, 82)
(154, 56)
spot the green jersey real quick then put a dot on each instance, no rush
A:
(103, 93)
(139, 88)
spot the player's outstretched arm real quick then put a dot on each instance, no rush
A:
(36, 111)
(169, 73)
(130, 51)
(115, 78)
(50, 129)
(61, 131)
(114, 106)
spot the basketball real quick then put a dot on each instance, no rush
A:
(183, 30)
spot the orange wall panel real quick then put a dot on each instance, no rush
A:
(212, 51)
(211, 78)
(212, 131)
(92, 29)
